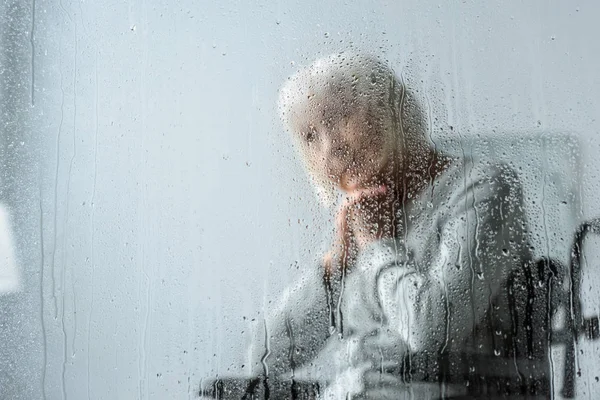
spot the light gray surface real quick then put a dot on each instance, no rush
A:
(151, 180)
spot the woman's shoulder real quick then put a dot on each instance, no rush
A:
(466, 176)
(467, 184)
(466, 170)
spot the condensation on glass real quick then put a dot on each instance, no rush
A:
(298, 200)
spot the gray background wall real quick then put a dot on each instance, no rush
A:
(157, 202)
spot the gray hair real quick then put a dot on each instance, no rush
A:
(341, 84)
(352, 80)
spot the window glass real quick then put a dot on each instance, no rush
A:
(175, 178)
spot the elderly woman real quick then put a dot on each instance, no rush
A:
(419, 295)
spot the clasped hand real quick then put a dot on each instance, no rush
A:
(366, 215)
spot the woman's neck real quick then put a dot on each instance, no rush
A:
(409, 177)
(403, 178)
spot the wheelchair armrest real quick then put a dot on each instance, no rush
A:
(591, 328)
(258, 388)
(577, 325)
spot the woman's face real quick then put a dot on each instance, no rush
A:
(349, 149)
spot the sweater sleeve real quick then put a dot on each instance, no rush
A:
(292, 331)
(480, 239)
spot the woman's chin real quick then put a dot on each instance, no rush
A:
(349, 183)
(354, 185)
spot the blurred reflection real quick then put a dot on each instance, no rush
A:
(427, 290)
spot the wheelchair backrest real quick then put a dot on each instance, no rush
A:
(549, 167)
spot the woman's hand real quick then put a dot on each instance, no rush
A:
(365, 216)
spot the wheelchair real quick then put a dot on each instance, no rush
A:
(558, 292)
(549, 286)
(568, 300)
